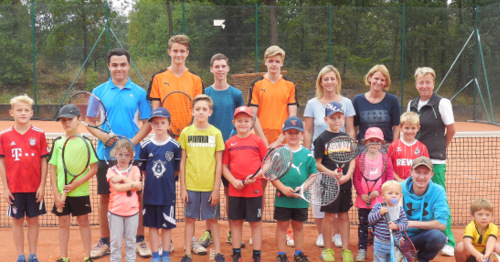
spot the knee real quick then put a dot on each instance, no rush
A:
(18, 222)
(83, 221)
(435, 240)
(32, 221)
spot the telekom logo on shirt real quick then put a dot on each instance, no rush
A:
(16, 153)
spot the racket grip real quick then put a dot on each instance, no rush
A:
(279, 194)
(63, 199)
(339, 170)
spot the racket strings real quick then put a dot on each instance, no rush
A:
(277, 163)
(322, 190)
(92, 111)
(75, 156)
(342, 149)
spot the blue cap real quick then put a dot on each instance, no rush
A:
(293, 122)
(159, 112)
(332, 108)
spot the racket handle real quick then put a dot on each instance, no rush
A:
(63, 199)
(279, 194)
(339, 170)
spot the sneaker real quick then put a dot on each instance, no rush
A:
(337, 240)
(197, 248)
(361, 255)
(281, 258)
(99, 250)
(62, 260)
(319, 241)
(166, 259)
(250, 241)
(219, 258)
(142, 248)
(229, 240)
(187, 258)
(89, 259)
(156, 259)
(327, 255)
(448, 251)
(21, 258)
(347, 255)
(32, 258)
(300, 258)
(289, 238)
(236, 257)
(256, 258)
(206, 239)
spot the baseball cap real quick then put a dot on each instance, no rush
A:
(422, 161)
(245, 110)
(68, 111)
(332, 108)
(159, 112)
(374, 132)
(293, 122)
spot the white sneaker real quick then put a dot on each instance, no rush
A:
(319, 241)
(337, 240)
(250, 241)
(289, 239)
(197, 248)
(448, 251)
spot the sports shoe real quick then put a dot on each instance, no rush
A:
(448, 251)
(337, 240)
(32, 258)
(236, 257)
(166, 259)
(281, 258)
(319, 241)
(99, 250)
(206, 239)
(361, 255)
(62, 260)
(256, 258)
(229, 240)
(197, 248)
(186, 258)
(21, 258)
(327, 255)
(142, 248)
(250, 241)
(219, 258)
(347, 255)
(89, 259)
(156, 259)
(300, 258)
(289, 238)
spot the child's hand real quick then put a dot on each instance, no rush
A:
(238, 184)
(110, 141)
(374, 194)
(249, 181)
(289, 192)
(481, 257)
(69, 188)
(383, 210)
(393, 226)
(184, 196)
(365, 198)
(40, 193)
(214, 198)
(57, 201)
(117, 179)
(8, 196)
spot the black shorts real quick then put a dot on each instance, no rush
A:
(76, 206)
(225, 182)
(287, 214)
(159, 216)
(25, 203)
(247, 208)
(341, 205)
(102, 181)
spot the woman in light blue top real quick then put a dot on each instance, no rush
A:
(328, 86)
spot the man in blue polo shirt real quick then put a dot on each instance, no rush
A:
(126, 106)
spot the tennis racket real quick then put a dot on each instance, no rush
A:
(494, 257)
(75, 159)
(409, 250)
(319, 189)
(275, 164)
(341, 150)
(179, 104)
(92, 111)
(373, 163)
(397, 254)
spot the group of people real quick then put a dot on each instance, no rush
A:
(225, 144)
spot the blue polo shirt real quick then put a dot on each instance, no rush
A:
(125, 107)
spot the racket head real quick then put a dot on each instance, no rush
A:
(118, 148)
(320, 189)
(179, 104)
(92, 110)
(277, 162)
(75, 156)
(408, 249)
(372, 161)
(494, 257)
(342, 149)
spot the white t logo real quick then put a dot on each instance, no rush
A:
(16, 153)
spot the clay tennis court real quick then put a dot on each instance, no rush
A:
(472, 173)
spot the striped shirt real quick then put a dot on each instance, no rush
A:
(381, 230)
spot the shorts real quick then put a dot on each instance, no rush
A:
(159, 216)
(225, 182)
(25, 203)
(197, 201)
(247, 208)
(342, 204)
(76, 206)
(287, 214)
(102, 181)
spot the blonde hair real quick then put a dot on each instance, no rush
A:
(410, 118)
(218, 56)
(323, 72)
(123, 144)
(391, 183)
(382, 69)
(273, 51)
(21, 99)
(422, 71)
(178, 39)
(203, 97)
(481, 203)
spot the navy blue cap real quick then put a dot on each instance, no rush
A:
(332, 108)
(159, 112)
(68, 111)
(293, 122)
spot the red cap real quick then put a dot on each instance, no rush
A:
(243, 109)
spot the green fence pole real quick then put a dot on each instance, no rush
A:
(475, 67)
(34, 57)
(330, 35)
(107, 32)
(256, 37)
(183, 19)
(403, 57)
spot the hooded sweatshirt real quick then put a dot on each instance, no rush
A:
(427, 207)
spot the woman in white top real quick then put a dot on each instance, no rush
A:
(328, 86)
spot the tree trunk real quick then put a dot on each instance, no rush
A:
(169, 15)
(273, 18)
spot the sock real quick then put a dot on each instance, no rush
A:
(256, 252)
(31, 256)
(281, 253)
(297, 252)
(156, 254)
(21, 257)
(105, 240)
(139, 238)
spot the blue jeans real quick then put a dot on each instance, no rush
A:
(428, 243)
(381, 250)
